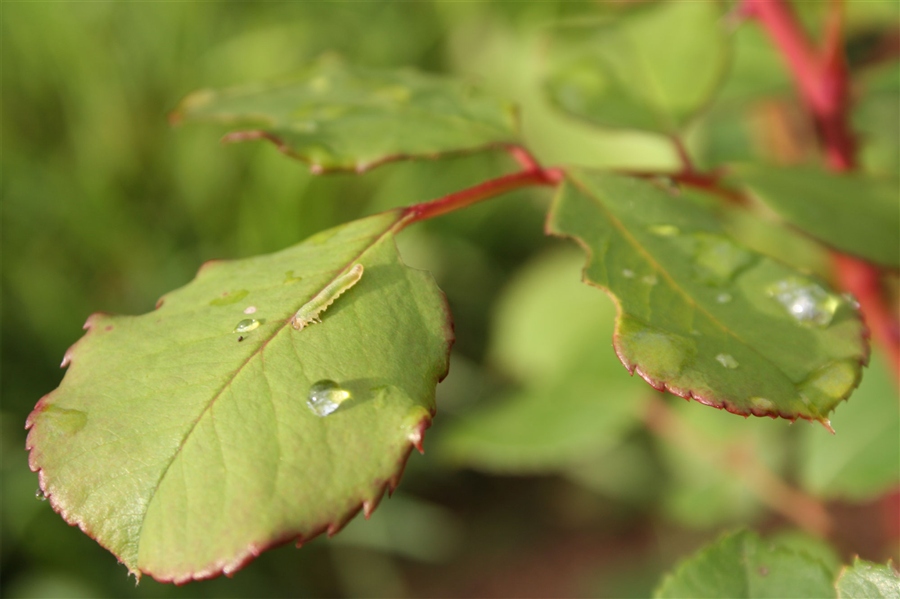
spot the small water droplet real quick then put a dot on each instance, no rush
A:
(249, 309)
(727, 360)
(762, 404)
(664, 230)
(325, 397)
(39, 494)
(723, 298)
(717, 259)
(247, 325)
(290, 278)
(229, 297)
(805, 301)
(649, 280)
(627, 273)
(851, 299)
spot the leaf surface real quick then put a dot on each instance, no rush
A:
(742, 565)
(701, 316)
(186, 449)
(854, 213)
(337, 117)
(652, 71)
(865, 580)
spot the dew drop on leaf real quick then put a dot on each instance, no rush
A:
(246, 325)
(649, 280)
(627, 273)
(39, 495)
(325, 397)
(851, 299)
(727, 360)
(249, 309)
(717, 259)
(723, 298)
(762, 403)
(806, 302)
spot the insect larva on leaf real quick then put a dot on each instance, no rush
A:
(309, 312)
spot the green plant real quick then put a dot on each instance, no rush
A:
(703, 312)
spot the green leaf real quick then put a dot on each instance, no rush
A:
(186, 449)
(865, 580)
(742, 565)
(853, 213)
(860, 462)
(701, 316)
(653, 70)
(337, 117)
(553, 333)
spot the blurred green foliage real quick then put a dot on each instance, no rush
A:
(105, 207)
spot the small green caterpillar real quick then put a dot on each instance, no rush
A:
(309, 312)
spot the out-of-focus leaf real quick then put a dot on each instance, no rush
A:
(187, 448)
(338, 117)
(853, 213)
(861, 461)
(742, 565)
(653, 70)
(553, 333)
(865, 580)
(703, 317)
(704, 488)
(876, 118)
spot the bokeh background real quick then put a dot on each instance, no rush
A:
(544, 474)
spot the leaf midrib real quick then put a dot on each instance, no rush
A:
(388, 229)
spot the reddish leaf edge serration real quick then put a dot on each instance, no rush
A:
(690, 394)
(232, 566)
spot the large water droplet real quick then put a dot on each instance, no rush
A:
(727, 360)
(39, 494)
(808, 303)
(830, 382)
(65, 420)
(660, 354)
(717, 259)
(325, 397)
(247, 325)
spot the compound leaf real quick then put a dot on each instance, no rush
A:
(337, 117)
(854, 213)
(186, 448)
(703, 317)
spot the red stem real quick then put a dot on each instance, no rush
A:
(823, 81)
(482, 191)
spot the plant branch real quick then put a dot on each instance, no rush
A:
(821, 77)
(770, 489)
(483, 191)
(823, 80)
